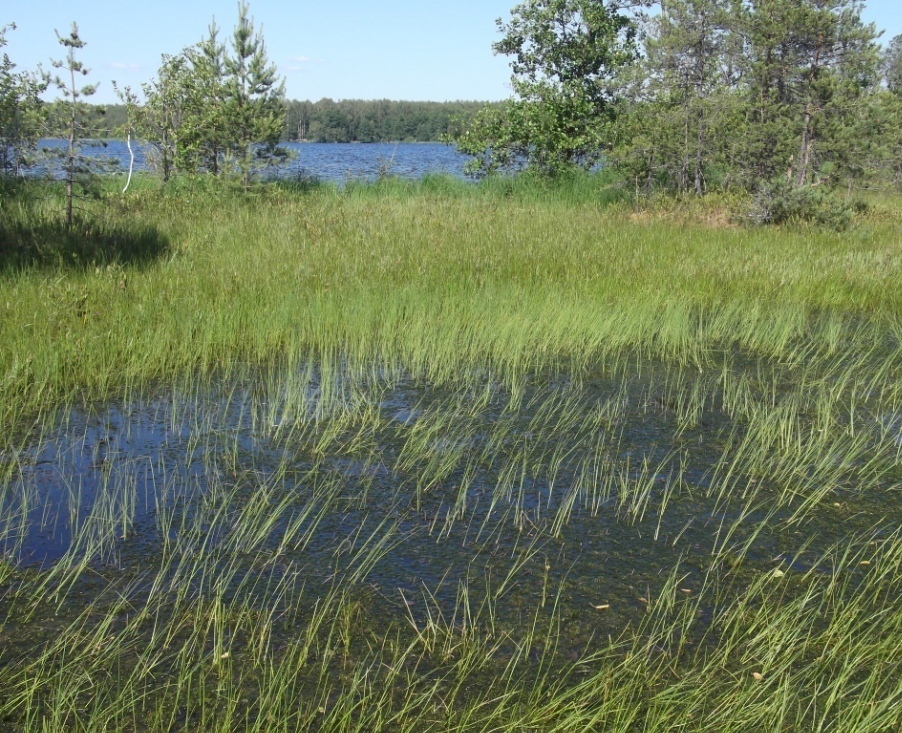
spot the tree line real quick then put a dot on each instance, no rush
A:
(783, 99)
(368, 121)
(325, 121)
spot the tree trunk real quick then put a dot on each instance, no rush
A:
(807, 127)
(683, 181)
(699, 158)
(70, 158)
(805, 148)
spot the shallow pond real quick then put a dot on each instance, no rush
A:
(576, 501)
(615, 477)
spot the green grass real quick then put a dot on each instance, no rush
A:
(432, 281)
(442, 457)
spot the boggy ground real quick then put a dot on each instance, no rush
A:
(429, 457)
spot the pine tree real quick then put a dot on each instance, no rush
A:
(812, 63)
(255, 108)
(215, 108)
(205, 135)
(684, 101)
(76, 168)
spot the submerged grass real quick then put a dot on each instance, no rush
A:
(439, 457)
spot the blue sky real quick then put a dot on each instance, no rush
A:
(343, 49)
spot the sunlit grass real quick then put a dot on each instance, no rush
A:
(414, 457)
(423, 279)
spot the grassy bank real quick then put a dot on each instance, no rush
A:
(436, 277)
(413, 457)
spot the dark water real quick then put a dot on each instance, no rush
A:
(603, 482)
(325, 161)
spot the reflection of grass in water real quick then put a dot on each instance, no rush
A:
(275, 593)
(510, 486)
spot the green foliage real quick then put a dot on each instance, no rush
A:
(214, 108)
(733, 93)
(884, 159)
(78, 170)
(158, 120)
(98, 122)
(255, 100)
(782, 202)
(158, 109)
(810, 64)
(892, 65)
(381, 120)
(565, 55)
(552, 135)
(202, 134)
(681, 123)
(889, 115)
(233, 108)
(21, 112)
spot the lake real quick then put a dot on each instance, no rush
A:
(338, 162)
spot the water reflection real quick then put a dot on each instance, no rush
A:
(618, 477)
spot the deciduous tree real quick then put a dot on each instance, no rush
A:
(564, 57)
(158, 121)
(21, 112)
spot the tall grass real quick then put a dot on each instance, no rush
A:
(427, 280)
(432, 457)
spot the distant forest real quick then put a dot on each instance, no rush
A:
(345, 121)
(354, 120)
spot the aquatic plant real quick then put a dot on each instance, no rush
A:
(401, 459)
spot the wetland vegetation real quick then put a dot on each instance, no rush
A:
(552, 451)
(407, 456)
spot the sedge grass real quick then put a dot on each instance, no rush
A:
(427, 458)
(429, 281)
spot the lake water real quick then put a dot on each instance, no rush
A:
(338, 162)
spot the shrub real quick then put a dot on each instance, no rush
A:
(780, 202)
